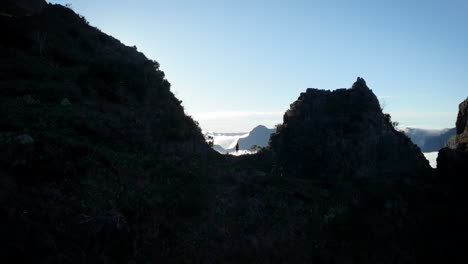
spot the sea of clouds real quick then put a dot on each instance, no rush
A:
(229, 140)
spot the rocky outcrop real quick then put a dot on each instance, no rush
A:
(343, 134)
(462, 126)
(453, 161)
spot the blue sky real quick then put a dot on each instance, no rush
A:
(237, 64)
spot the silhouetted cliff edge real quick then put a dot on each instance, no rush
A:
(343, 134)
(453, 161)
(93, 144)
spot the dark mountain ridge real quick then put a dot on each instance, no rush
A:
(99, 164)
(93, 141)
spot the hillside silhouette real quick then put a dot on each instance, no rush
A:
(100, 164)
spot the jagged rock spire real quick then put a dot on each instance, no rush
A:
(360, 83)
(462, 118)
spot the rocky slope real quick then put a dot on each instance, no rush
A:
(462, 126)
(343, 134)
(94, 146)
(453, 161)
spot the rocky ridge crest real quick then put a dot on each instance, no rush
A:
(343, 133)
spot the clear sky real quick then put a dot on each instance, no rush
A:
(237, 64)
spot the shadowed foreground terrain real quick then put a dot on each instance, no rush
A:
(99, 164)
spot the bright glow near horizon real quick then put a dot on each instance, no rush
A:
(238, 64)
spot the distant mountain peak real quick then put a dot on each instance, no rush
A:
(259, 127)
(258, 136)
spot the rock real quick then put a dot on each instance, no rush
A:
(343, 134)
(124, 121)
(258, 136)
(453, 161)
(462, 126)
